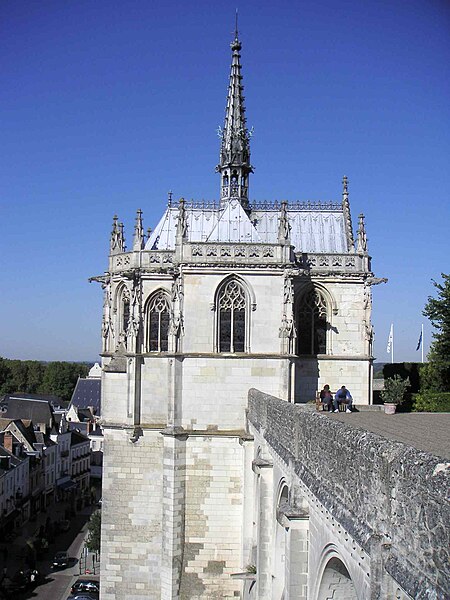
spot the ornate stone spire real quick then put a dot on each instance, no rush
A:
(347, 215)
(361, 240)
(234, 166)
(138, 239)
(117, 241)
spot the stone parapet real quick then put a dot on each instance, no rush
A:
(376, 488)
(241, 254)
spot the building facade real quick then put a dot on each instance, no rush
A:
(221, 297)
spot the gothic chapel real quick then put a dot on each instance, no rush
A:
(221, 297)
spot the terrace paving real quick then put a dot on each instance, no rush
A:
(429, 432)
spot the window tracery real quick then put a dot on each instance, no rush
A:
(158, 320)
(232, 306)
(312, 324)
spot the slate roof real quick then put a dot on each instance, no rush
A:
(38, 411)
(315, 227)
(98, 432)
(87, 393)
(77, 438)
(54, 400)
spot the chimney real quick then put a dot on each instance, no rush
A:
(8, 441)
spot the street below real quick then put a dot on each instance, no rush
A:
(54, 583)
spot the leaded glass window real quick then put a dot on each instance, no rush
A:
(232, 317)
(312, 324)
(158, 318)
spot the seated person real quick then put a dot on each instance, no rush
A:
(343, 396)
(326, 397)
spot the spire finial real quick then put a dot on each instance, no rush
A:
(236, 32)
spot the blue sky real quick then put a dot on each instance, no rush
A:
(105, 106)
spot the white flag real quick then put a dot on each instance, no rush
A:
(390, 339)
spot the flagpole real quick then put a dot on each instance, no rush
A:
(422, 343)
(392, 353)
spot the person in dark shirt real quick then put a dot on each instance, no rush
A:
(343, 396)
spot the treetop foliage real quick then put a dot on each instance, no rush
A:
(35, 377)
(435, 375)
(437, 310)
(94, 531)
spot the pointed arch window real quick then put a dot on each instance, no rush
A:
(232, 309)
(312, 324)
(158, 319)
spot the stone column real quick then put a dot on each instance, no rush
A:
(297, 559)
(174, 496)
(248, 501)
(265, 529)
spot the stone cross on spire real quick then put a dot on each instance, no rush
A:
(234, 166)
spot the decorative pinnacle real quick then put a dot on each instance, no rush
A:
(284, 228)
(345, 185)
(117, 241)
(347, 215)
(361, 241)
(169, 198)
(182, 221)
(138, 239)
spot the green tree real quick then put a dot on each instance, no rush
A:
(60, 378)
(4, 375)
(438, 311)
(94, 529)
(436, 374)
(35, 375)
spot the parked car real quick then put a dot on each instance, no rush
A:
(61, 559)
(83, 596)
(21, 581)
(86, 585)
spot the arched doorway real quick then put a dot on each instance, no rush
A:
(336, 582)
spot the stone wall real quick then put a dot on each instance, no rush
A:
(131, 515)
(389, 497)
